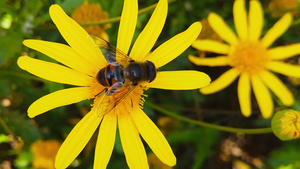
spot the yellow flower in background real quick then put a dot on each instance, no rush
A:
(277, 6)
(155, 163)
(91, 13)
(44, 153)
(240, 165)
(167, 124)
(250, 58)
(83, 61)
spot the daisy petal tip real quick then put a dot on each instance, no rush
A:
(173, 162)
(55, 10)
(205, 81)
(54, 7)
(289, 15)
(203, 91)
(21, 61)
(30, 115)
(30, 112)
(288, 18)
(196, 29)
(246, 113)
(289, 102)
(197, 25)
(212, 16)
(267, 112)
(25, 42)
(267, 115)
(192, 57)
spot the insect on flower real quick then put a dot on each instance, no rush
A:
(120, 76)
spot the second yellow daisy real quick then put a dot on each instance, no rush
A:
(250, 57)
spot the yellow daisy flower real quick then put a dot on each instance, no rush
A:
(83, 61)
(91, 13)
(44, 153)
(250, 57)
(277, 6)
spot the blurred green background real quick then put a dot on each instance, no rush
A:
(194, 146)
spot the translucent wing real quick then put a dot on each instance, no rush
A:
(108, 102)
(111, 53)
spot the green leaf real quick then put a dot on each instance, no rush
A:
(3, 138)
(10, 45)
(22, 126)
(68, 5)
(24, 160)
(286, 156)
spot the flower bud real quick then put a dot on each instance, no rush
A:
(286, 124)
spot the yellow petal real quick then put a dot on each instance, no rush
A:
(283, 52)
(284, 68)
(180, 80)
(127, 25)
(221, 28)
(277, 30)
(63, 54)
(244, 94)
(152, 30)
(76, 36)
(132, 145)
(277, 87)
(211, 46)
(53, 72)
(58, 99)
(220, 83)
(215, 61)
(256, 20)
(263, 97)
(154, 138)
(77, 139)
(174, 46)
(240, 19)
(106, 140)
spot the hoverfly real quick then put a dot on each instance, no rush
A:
(121, 76)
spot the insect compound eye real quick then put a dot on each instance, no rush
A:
(151, 71)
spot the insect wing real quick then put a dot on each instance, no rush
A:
(111, 53)
(108, 102)
(105, 103)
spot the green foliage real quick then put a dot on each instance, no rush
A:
(202, 140)
(286, 156)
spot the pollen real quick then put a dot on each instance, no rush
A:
(248, 57)
(291, 123)
(131, 101)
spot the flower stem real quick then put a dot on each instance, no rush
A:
(5, 127)
(209, 125)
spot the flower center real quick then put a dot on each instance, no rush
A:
(120, 101)
(250, 57)
(291, 123)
